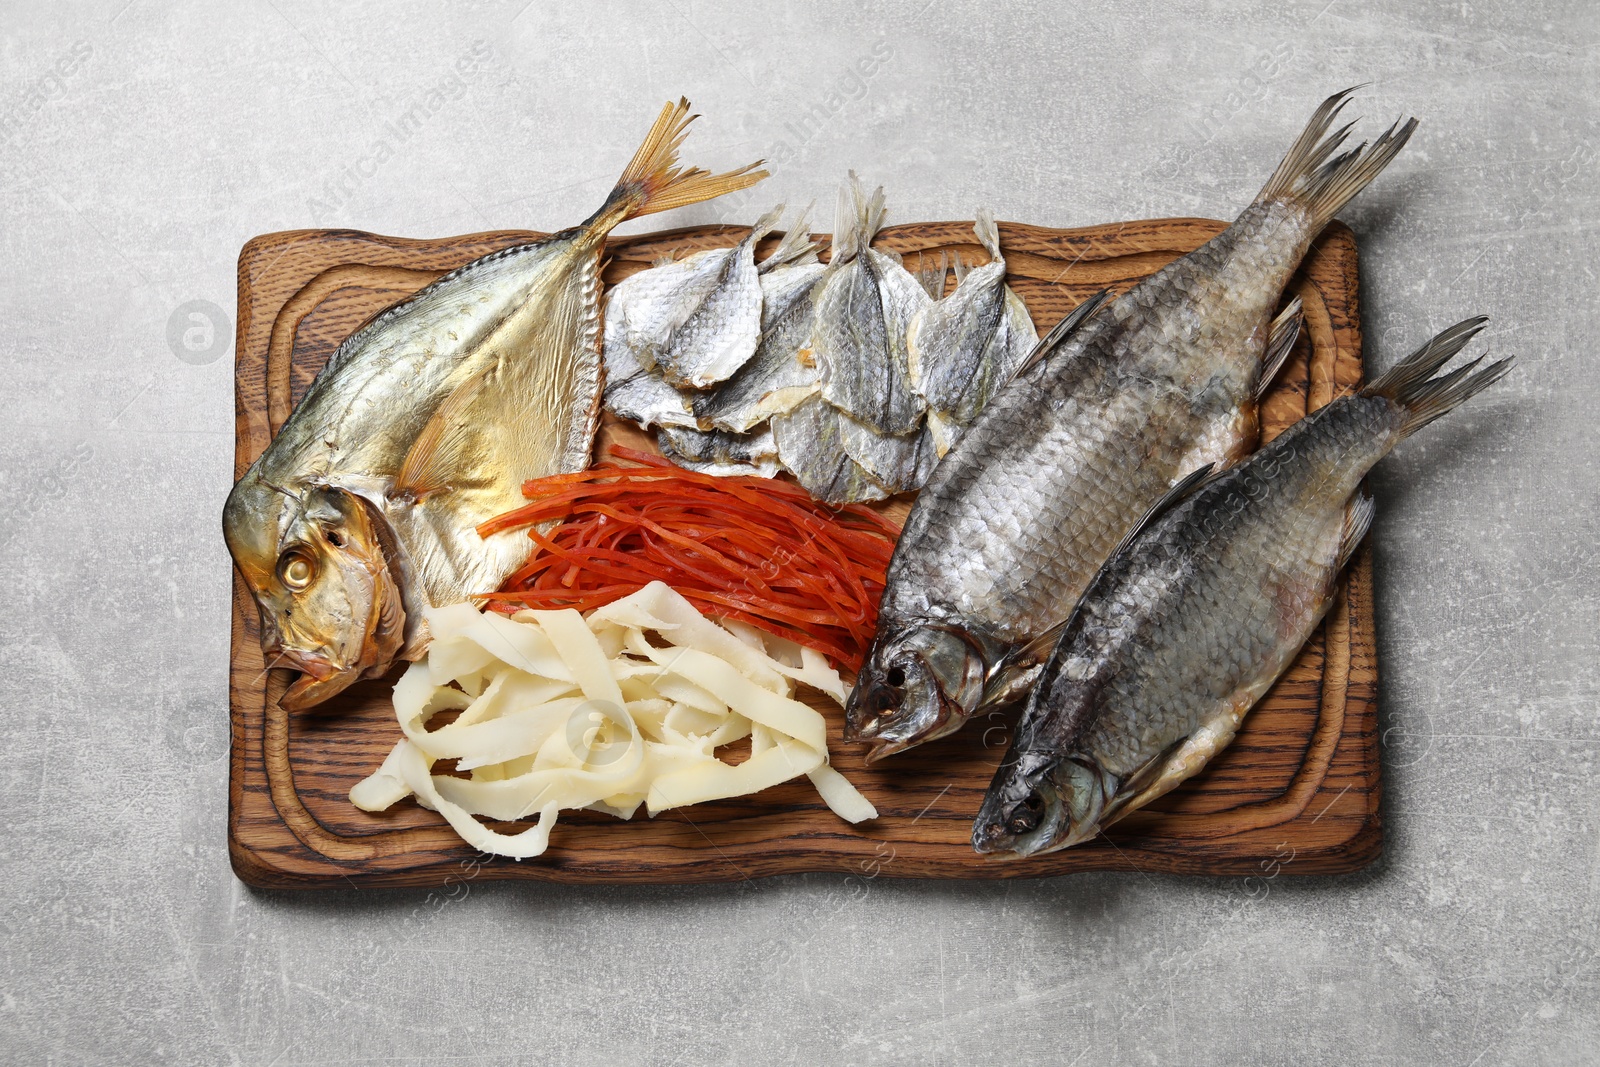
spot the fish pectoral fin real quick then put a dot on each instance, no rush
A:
(1357, 521)
(435, 454)
(1280, 342)
(1143, 785)
(1019, 668)
(1062, 330)
(932, 276)
(795, 247)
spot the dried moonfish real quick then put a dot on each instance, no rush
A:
(364, 509)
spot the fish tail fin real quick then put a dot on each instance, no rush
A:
(1421, 397)
(1316, 174)
(796, 245)
(988, 233)
(655, 182)
(932, 274)
(765, 224)
(858, 219)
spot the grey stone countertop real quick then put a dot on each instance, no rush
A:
(146, 142)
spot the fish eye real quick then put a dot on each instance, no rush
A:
(895, 676)
(295, 571)
(1025, 816)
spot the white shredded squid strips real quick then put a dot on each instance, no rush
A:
(622, 708)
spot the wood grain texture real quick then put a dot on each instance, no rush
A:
(1296, 792)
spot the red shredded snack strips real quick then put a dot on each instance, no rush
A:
(754, 549)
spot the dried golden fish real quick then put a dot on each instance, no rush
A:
(426, 421)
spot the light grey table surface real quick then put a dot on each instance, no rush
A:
(145, 143)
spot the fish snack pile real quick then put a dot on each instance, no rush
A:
(625, 707)
(740, 548)
(1098, 534)
(855, 376)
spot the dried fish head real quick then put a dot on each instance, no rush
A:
(1041, 803)
(916, 685)
(329, 605)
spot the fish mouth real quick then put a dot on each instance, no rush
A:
(317, 665)
(881, 743)
(1040, 804)
(1002, 845)
(320, 678)
(900, 728)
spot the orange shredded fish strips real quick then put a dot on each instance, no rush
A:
(758, 550)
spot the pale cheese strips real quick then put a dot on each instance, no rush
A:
(622, 708)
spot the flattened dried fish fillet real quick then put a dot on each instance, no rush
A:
(898, 462)
(783, 371)
(809, 446)
(965, 348)
(862, 316)
(696, 320)
(721, 453)
(635, 391)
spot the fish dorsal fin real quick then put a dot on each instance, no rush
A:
(1280, 342)
(960, 267)
(858, 219)
(1181, 490)
(1061, 330)
(1357, 521)
(425, 468)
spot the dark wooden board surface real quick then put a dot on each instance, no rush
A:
(1297, 791)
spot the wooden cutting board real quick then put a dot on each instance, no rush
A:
(1297, 791)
